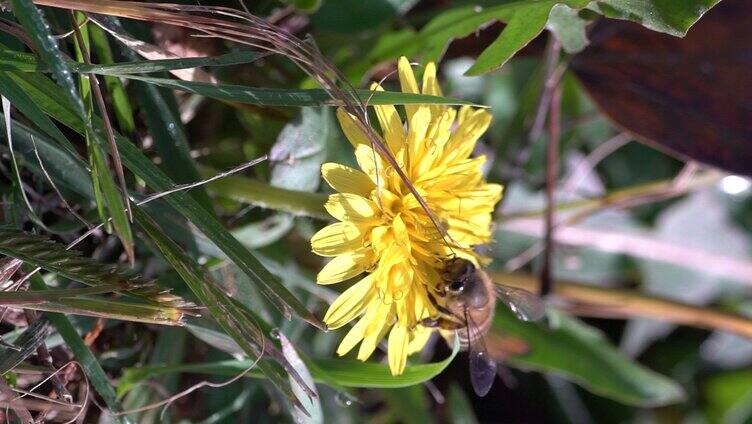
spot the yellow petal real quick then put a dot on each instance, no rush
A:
(462, 142)
(436, 139)
(408, 85)
(349, 304)
(350, 127)
(351, 207)
(431, 86)
(391, 124)
(346, 266)
(420, 337)
(416, 135)
(397, 349)
(465, 111)
(406, 76)
(353, 337)
(336, 239)
(375, 331)
(371, 163)
(347, 180)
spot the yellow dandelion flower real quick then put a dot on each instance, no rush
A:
(385, 233)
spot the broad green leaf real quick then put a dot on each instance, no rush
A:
(307, 6)
(525, 19)
(568, 27)
(345, 372)
(582, 354)
(729, 397)
(300, 151)
(673, 17)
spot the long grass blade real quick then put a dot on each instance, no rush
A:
(108, 197)
(291, 97)
(35, 24)
(10, 60)
(116, 89)
(244, 331)
(245, 28)
(26, 344)
(50, 98)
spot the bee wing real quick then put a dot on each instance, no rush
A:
(525, 305)
(482, 366)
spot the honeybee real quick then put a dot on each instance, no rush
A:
(470, 301)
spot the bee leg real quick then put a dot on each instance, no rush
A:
(430, 322)
(438, 307)
(442, 323)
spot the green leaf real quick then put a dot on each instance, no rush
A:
(36, 26)
(170, 139)
(408, 405)
(10, 89)
(27, 344)
(160, 65)
(459, 406)
(11, 60)
(729, 396)
(243, 330)
(33, 21)
(582, 354)
(50, 100)
(311, 412)
(292, 97)
(65, 169)
(673, 17)
(118, 96)
(255, 192)
(347, 373)
(228, 92)
(107, 309)
(568, 27)
(300, 151)
(525, 19)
